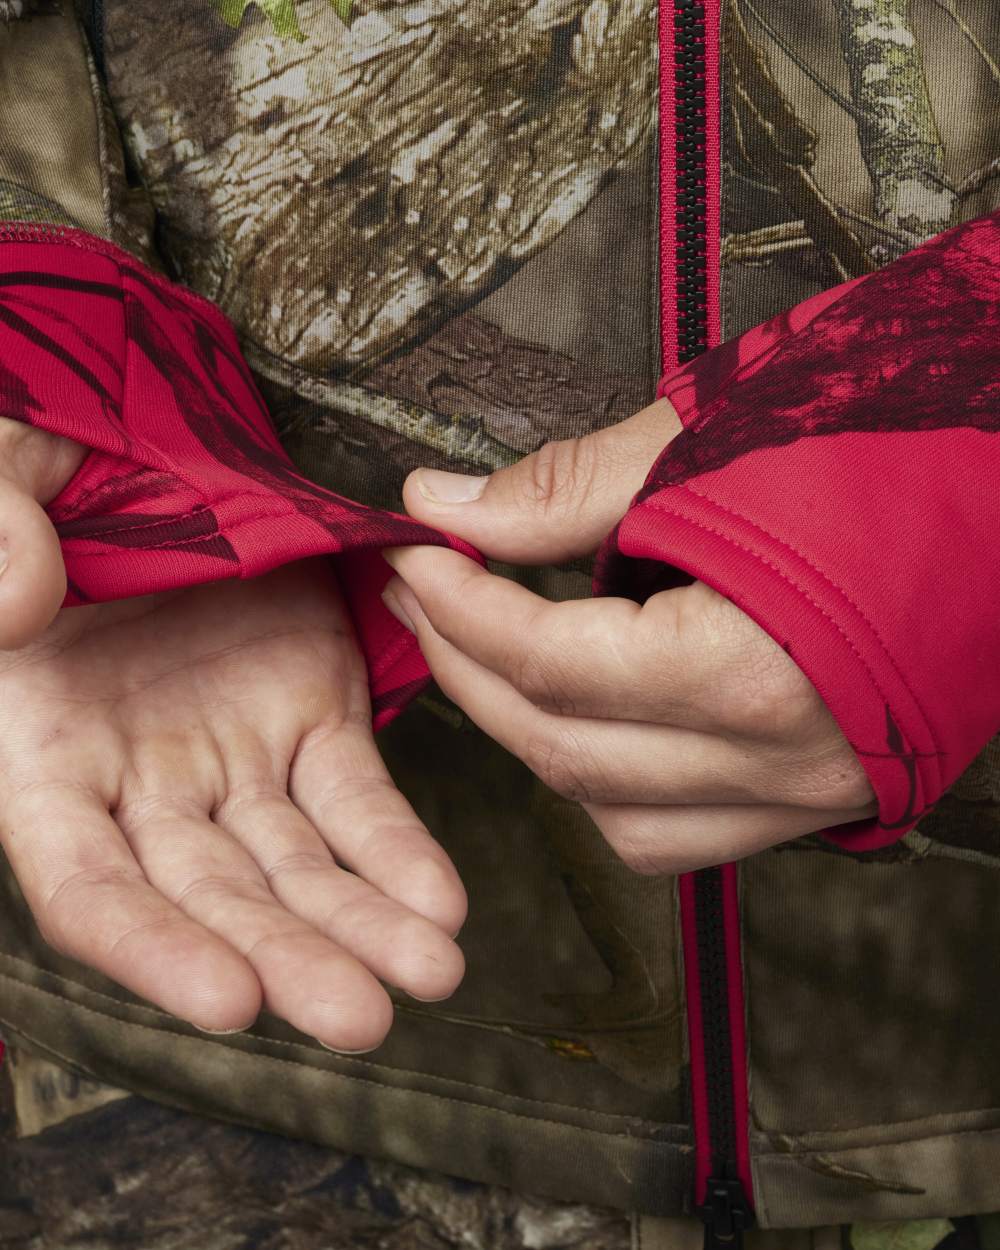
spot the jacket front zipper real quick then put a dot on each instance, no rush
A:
(713, 973)
(689, 304)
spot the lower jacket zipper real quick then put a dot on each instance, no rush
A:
(713, 976)
(690, 322)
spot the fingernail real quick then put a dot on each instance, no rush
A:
(400, 601)
(367, 1050)
(439, 487)
(220, 1032)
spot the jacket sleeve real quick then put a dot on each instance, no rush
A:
(186, 481)
(838, 478)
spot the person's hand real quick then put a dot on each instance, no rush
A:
(688, 734)
(34, 467)
(193, 804)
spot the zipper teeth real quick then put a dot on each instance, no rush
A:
(691, 177)
(712, 968)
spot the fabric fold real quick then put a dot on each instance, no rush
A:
(186, 481)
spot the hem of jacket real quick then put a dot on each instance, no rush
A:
(357, 1105)
(897, 1176)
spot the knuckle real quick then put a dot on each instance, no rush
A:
(757, 690)
(645, 846)
(243, 797)
(163, 924)
(557, 472)
(557, 762)
(535, 677)
(773, 698)
(53, 935)
(69, 888)
(294, 862)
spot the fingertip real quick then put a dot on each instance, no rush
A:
(416, 501)
(218, 993)
(438, 977)
(356, 1022)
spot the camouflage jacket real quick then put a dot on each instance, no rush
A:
(443, 232)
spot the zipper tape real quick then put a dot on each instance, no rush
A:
(689, 178)
(713, 975)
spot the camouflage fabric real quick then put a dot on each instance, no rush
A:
(435, 226)
(112, 1169)
(87, 1162)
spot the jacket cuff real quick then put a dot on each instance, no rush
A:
(186, 481)
(837, 479)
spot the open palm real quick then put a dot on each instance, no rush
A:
(193, 804)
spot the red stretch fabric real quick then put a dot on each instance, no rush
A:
(186, 481)
(838, 478)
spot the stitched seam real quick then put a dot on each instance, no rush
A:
(928, 1121)
(211, 503)
(206, 506)
(72, 1062)
(839, 589)
(791, 582)
(361, 1080)
(271, 1041)
(198, 510)
(167, 544)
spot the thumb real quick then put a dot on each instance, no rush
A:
(558, 503)
(34, 465)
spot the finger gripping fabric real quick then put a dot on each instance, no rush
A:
(838, 478)
(186, 481)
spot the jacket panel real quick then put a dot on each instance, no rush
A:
(872, 1023)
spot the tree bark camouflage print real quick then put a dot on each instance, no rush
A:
(250, 144)
(507, 119)
(845, 144)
